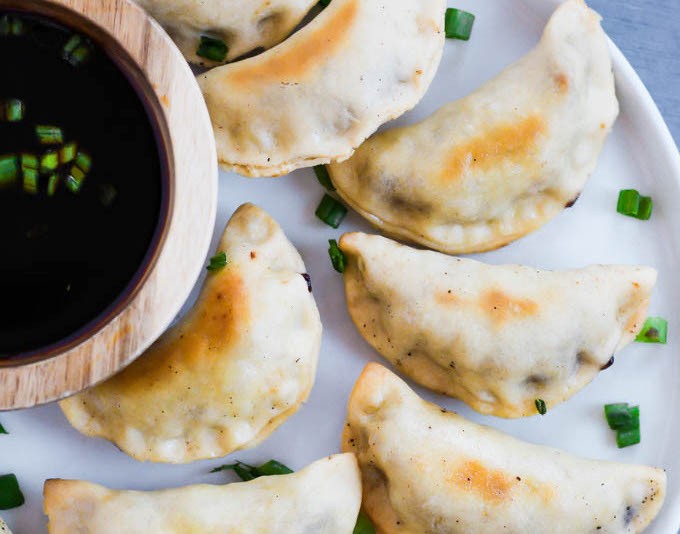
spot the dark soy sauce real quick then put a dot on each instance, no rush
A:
(65, 259)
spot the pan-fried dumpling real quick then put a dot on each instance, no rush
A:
(428, 470)
(324, 497)
(495, 336)
(4, 529)
(241, 362)
(490, 168)
(244, 25)
(314, 98)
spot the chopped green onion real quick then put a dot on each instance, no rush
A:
(107, 195)
(49, 135)
(540, 406)
(217, 262)
(84, 161)
(632, 204)
(654, 330)
(212, 48)
(11, 25)
(76, 50)
(621, 416)
(2, 430)
(29, 161)
(337, 256)
(14, 110)
(458, 24)
(625, 420)
(10, 493)
(67, 153)
(49, 162)
(323, 177)
(74, 180)
(272, 467)
(645, 208)
(52, 184)
(626, 438)
(31, 177)
(249, 472)
(331, 211)
(363, 525)
(9, 169)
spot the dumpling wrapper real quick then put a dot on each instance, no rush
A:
(4, 529)
(314, 98)
(323, 497)
(244, 25)
(498, 164)
(240, 363)
(428, 470)
(495, 336)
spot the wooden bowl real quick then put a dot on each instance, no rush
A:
(169, 90)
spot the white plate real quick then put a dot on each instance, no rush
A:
(640, 153)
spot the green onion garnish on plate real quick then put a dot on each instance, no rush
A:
(49, 135)
(49, 162)
(458, 24)
(10, 493)
(10, 25)
(9, 169)
(14, 110)
(632, 204)
(654, 330)
(2, 429)
(250, 472)
(76, 50)
(625, 420)
(331, 211)
(323, 177)
(75, 179)
(337, 256)
(67, 153)
(540, 406)
(217, 262)
(212, 48)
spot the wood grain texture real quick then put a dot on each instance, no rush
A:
(152, 61)
(646, 31)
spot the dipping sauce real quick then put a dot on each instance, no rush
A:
(72, 240)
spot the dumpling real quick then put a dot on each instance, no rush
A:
(324, 497)
(496, 165)
(239, 364)
(317, 96)
(495, 336)
(4, 529)
(428, 470)
(244, 25)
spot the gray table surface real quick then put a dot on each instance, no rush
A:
(648, 33)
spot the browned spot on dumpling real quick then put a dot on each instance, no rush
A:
(502, 307)
(562, 82)
(508, 143)
(447, 298)
(491, 484)
(297, 61)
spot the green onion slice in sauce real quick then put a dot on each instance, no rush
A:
(49, 135)
(14, 110)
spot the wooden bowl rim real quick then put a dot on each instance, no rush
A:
(181, 249)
